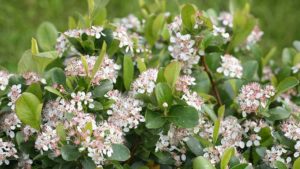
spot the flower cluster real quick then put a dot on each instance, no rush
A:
(125, 112)
(125, 40)
(145, 83)
(108, 69)
(182, 49)
(276, 153)
(4, 79)
(253, 96)
(10, 123)
(230, 67)
(254, 36)
(7, 151)
(14, 94)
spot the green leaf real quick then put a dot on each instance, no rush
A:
(46, 36)
(296, 164)
(154, 120)
(188, 16)
(102, 89)
(240, 166)
(56, 76)
(172, 72)
(280, 165)
(158, 24)
(70, 153)
(91, 7)
(85, 64)
(228, 153)
(217, 123)
(53, 90)
(202, 81)
(163, 94)
(34, 47)
(286, 84)
(183, 116)
(202, 163)
(250, 69)
(35, 89)
(26, 63)
(278, 113)
(42, 60)
(29, 109)
(120, 152)
(60, 131)
(99, 60)
(88, 163)
(128, 72)
(195, 146)
(141, 65)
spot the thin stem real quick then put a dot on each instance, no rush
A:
(213, 84)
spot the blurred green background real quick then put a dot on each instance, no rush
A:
(19, 20)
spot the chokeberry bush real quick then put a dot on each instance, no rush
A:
(164, 90)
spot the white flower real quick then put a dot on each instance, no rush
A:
(193, 99)
(175, 26)
(182, 49)
(254, 139)
(254, 36)
(125, 112)
(275, 154)
(9, 123)
(226, 19)
(125, 40)
(47, 140)
(222, 32)
(7, 151)
(4, 79)
(184, 82)
(253, 96)
(230, 67)
(108, 69)
(145, 83)
(14, 94)
(130, 22)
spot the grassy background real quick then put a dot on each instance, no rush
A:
(19, 20)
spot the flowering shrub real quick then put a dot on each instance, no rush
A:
(191, 90)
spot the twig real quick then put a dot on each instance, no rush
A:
(213, 84)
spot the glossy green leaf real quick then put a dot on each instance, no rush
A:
(227, 155)
(29, 109)
(141, 65)
(286, 84)
(240, 166)
(60, 131)
(278, 113)
(188, 12)
(128, 72)
(120, 152)
(296, 164)
(172, 72)
(184, 116)
(88, 163)
(163, 94)
(202, 163)
(70, 153)
(99, 60)
(35, 89)
(154, 119)
(195, 146)
(102, 89)
(46, 36)
(280, 165)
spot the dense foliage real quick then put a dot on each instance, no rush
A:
(187, 91)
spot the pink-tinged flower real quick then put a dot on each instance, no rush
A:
(291, 129)
(47, 140)
(4, 79)
(27, 132)
(130, 22)
(253, 96)
(230, 67)
(226, 19)
(53, 112)
(276, 153)
(175, 26)
(100, 147)
(182, 49)
(174, 143)
(7, 152)
(25, 162)
(123, 37)
(32, 77)
(9, 123)
(254, 36)
(184, 82)
(13, 95)
(145, 83)
(221, 31)
(193, 99)
(125, 112)
(232, 133)
(108, 69)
